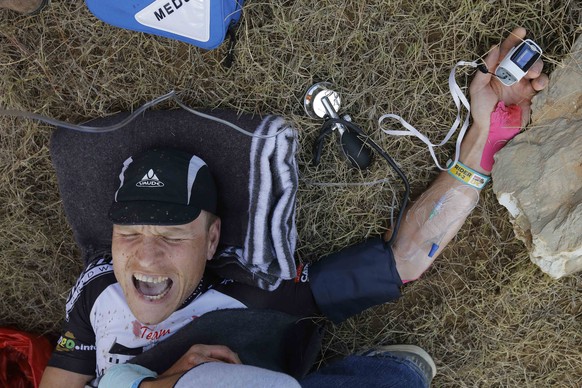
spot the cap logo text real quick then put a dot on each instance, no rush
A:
(150, 180)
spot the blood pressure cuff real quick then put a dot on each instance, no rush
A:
(203, 23)
(355, 278)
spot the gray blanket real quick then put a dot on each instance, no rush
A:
(256, 179)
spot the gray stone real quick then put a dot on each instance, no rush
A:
(538, 175)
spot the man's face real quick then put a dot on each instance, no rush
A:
(158, 267)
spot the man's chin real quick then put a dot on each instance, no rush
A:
(151, 319)
(150, 314)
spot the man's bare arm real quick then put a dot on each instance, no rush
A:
(430, 223)
(436, 217)
(56, 377)
(196, 355)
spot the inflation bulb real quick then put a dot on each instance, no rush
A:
(320, 102)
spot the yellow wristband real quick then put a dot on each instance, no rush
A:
(467, 175)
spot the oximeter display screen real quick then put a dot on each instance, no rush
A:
(525, 57)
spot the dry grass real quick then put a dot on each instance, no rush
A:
(488, 316)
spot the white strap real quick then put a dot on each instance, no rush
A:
(459, 98)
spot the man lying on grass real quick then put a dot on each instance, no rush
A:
(155, 282)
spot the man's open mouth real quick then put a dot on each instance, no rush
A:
(152, 287)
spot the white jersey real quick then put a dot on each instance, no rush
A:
(101, 331)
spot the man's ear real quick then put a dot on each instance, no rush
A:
(213, 238)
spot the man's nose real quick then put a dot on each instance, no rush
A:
(150, 251)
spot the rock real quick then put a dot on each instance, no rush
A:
(538, 175)
(26, 7)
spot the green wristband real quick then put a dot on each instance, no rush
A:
(467, 175)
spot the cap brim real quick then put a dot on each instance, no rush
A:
(151, 213)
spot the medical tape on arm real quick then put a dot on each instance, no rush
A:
(434, 217)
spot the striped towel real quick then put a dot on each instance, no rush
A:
(271, 234)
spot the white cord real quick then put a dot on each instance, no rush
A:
(168, 96)
(459, 98)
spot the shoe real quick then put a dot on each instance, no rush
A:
(413, 353)
(25, 7)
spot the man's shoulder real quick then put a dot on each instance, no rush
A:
(98, 271)
(97, 276)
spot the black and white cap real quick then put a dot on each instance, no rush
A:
(163, 187)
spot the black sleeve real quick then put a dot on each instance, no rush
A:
(338, 286)
(293, 297)
(75, 350)
(355, 278)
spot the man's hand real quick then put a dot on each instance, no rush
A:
(196, 355)
(199, 354)
(486, 90)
